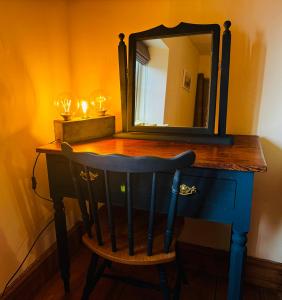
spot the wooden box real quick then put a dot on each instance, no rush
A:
(79, 130)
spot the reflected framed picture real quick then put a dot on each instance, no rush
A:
(186, 81)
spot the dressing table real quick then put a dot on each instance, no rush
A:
(219, 186)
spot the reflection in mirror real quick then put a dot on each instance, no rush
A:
(172, 81)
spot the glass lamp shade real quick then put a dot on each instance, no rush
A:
(101, 102)
(86, 108)
(66, 106)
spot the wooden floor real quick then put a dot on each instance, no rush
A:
(200, 287)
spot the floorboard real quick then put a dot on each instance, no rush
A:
(199, 287)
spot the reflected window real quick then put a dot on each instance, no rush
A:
(140, 93)
(150, 82)
(172, 84)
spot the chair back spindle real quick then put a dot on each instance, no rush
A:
(129, 216)
(110, 212)
(129, 166)
(172, 210)
(151, 216)
(81, 200)
(93, 207)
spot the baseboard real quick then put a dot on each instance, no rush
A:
(214, 262)
(41, 270)
(259, 272)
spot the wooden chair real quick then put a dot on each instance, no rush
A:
(123, 234)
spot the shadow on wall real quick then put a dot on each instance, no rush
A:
(19, 151)
(246, 80)
(8, 255)
(266, 225)
(21, 216)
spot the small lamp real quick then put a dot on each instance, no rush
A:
(85, 108)
(99, 98)
(101, 105)
(84, 125)
(65, 106)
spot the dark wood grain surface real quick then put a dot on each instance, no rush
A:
(200, 285)
(244, 155)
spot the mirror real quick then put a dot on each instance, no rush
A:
(172, 81)
(168, 89)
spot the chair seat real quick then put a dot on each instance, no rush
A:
(140, 221)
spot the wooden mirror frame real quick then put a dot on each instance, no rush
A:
(204, 135)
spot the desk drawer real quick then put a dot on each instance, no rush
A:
(211, 195)
(214, 195)
(60, 180)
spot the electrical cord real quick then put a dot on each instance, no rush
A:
(33, 185)
(29, 251)
(34, 181)
(33, 178)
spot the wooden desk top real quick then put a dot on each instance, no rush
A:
(244, 155)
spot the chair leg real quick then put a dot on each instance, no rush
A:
(179, 267)
(93, 280)
(109, 264)
(90, 276)
(183, 276)
(179, 279)
(163, 282)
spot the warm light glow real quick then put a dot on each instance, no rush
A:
(66, 104)
(64, 107)
(100, 100)
(84, 107)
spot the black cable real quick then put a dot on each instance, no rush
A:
(41, 197)
(34, 185)
(23, 261)
(33, 178)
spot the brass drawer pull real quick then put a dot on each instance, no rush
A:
(185, 190)
(93, 176)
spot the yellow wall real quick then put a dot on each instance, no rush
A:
(48, 47)
(255, 105)
(34, 66)
(180, 103)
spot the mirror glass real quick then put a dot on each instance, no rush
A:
(172, 81)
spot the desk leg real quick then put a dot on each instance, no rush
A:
(62, 241)
(236, 266)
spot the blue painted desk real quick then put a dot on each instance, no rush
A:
(222, 176)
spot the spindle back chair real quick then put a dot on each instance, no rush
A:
(155, 234)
